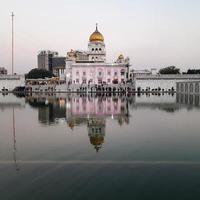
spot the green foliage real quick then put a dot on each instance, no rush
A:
(169, 70)
(39, 73)
(193, 71)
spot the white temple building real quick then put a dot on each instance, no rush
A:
(90, 67)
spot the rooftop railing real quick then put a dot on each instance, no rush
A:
(169, 76)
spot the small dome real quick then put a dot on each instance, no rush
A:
(121, 57)
(96, 36)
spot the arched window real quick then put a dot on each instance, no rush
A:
(191, 87)
(92, 49)
(100, 73)
(178, 84)
(122, 72)
(186, 87)
(197, 87)
(182, 86)
(99, 49)
(191, 99)
(196, 100)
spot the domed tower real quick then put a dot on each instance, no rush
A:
(96, 47)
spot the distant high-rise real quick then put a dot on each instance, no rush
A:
(58, 66)
(50, 61)
(45, 59)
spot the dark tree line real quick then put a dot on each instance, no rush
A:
(169, 70)
(193, 71)
(175, 70)
(39, 73)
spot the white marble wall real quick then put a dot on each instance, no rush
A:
(10, 82)
(165, 84)
(189, 87)
(97, 51)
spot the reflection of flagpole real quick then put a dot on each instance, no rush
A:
(14, 142)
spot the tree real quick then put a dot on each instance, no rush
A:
(170, 70)
(193, 71)
(39, 73)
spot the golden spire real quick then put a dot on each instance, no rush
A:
(96, 36)
(96, 27)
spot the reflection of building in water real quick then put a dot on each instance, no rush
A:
(188, 99)
(100, 106)
(164, 102)
(50, 110)
(84, 110)
(80, 109)
(96, 132)
(94, 112)
(10, 101)
(167, 102)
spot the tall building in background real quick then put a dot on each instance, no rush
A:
(50, 61)
(58, 66)
(45, 59)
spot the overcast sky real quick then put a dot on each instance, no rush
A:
(153, 33)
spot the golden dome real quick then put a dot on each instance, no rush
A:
(96, 36)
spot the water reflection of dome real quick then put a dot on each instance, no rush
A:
(96, 132)
(97, 141)
(71, 125)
